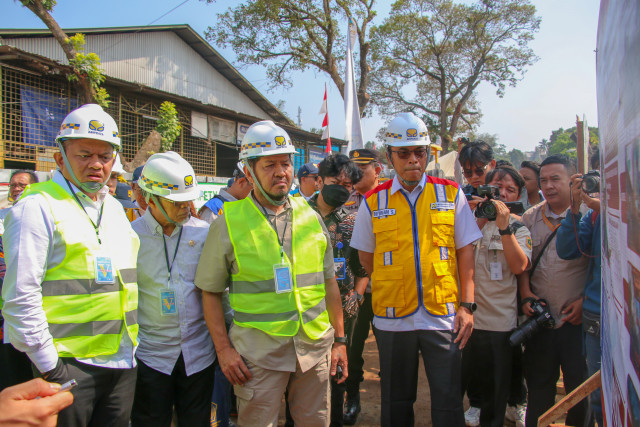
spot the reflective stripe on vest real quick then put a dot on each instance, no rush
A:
(87, 319)
(414, 262)
(257, 250)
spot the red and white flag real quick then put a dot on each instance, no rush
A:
(325, 121)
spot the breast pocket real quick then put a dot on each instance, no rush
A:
(386, 232)
(442, 228)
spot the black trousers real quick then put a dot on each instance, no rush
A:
(517, 390)
(545, 353)
(157, 394)
(15, 366)
(487, 360)
(359, 336)
(399, 352)
(102, 398)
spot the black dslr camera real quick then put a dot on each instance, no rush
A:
(591, 182)
(541, 318)
(488, 209)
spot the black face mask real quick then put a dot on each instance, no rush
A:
(335, 195)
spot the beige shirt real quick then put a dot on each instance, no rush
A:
(218, 263)
(558, 281)
(496, 299)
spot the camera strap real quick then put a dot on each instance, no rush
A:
(537, 260)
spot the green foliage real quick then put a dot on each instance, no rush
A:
(48, 4)
(564, 141)
(168, 125)
(430, 56)
(88, 64)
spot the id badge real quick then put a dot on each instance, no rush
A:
(282, 277)
(340, 268)
(104, 270)
(168, 302)
(496, 270)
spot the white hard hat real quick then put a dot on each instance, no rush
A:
(90, 121)
(170, 176)
(117, 166)
(265, 139)
(406, 130)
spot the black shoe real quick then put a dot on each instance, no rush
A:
(351, 411)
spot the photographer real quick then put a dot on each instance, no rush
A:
(503, 252)
(561, 283)
(587, 228)
(476, 159)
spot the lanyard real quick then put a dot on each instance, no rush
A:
(166, 254)
(546, 220)
(275, 228)
(95, 226)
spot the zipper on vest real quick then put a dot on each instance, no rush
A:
(416, 248)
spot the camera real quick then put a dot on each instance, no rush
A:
(488, 209)
(541, 318)
(591, 182)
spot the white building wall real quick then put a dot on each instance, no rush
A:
(160, 60)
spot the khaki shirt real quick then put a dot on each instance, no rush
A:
(353, 202)
(558, 281)
(218, 263)
(496, 299)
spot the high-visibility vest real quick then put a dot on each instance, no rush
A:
(87, 319)
(414, 263)
(252, 292)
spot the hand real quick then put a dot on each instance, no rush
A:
(463, 326)
(502, 216)
(591, 202)
(339, 357)
(576, 193)
(474, 201)
(350, 304)
(19, 406)
(572, 313)
(233, 366)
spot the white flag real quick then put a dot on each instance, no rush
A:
(353, 127)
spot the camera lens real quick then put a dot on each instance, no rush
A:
(591, 184)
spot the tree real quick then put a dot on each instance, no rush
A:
(431, 55)
(288, 35)
(564, 141)
(87, 75)
(168, 125)
(516, 157)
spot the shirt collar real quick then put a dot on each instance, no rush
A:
(224, 193)
(549, 214)
(287, 205)
(59, 179)
(395, 186)
(154, 226)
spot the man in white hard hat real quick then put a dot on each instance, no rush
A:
(176, 355)
(287, 332)
(414, 235)
(70, 289)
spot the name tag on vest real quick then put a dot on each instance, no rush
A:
(449, 206)
(383, 212)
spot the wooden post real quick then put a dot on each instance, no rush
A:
(582, 133)
(570, 400)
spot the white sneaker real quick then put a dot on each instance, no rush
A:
(472, 417)
(516, 414)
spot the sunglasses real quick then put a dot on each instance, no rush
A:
(405, 154)
(477, 171)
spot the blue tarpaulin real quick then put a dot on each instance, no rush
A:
(42, 113)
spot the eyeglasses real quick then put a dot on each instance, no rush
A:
(178, 204)
(478, 171)
(405, 154)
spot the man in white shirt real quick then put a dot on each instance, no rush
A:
(70, 287)
(176, 355)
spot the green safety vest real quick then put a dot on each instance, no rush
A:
(87, 319)
(252, 290)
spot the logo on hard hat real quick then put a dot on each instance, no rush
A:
(188, 181)
(412, 133)
(96, 126)
(280, 141)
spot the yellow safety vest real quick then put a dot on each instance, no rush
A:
(252, 292)
(87, 319)
(414, 263)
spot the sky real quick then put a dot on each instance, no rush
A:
(561, 85)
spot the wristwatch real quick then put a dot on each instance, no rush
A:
(341, 340)
(471, 306)
(507, 231)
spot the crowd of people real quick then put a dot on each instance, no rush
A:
(187, 317)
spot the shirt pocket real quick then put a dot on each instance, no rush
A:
(387, 284)
(386, 232)
(442, 228)
(446, 282)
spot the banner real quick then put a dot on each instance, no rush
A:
(42, 114)
(353, 126)
(618, 68)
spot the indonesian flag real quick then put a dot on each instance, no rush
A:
(325, 121)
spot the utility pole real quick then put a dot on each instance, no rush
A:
(299, 117)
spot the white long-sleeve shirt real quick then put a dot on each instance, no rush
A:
(163, 338)
(32, 244)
